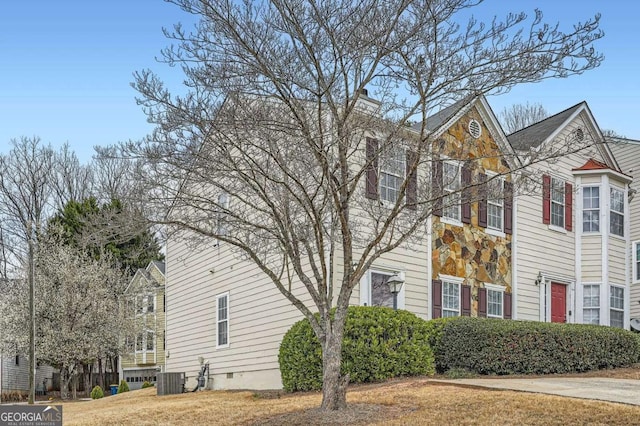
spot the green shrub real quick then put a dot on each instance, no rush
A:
(124, 387)
(378, 343)
(488, 346)
(146, 384)
(97, 393)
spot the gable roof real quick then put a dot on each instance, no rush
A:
(537, 133)
(434, 121)
(158, 264)
(592, 164)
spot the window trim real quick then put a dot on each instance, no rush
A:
(635, 246)
(598, 307)
(399, 153)
(611, 308)
(498, 289)
(450, 279)
(612, 211)
(447, 192)
(591, 209)
(218, 321)
(365, 284)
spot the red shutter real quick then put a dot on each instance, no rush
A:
(412, 180)
(436, 187)
(436, 299)
(508, 208)
(466, 300)
(482, 302)
(546, 199)
(466, 194)
(372, 169)
(507, 305)
(568, 206)
(482, 200)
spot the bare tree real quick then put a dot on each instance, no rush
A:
(519, 116)
(73, 180)
(268, 151)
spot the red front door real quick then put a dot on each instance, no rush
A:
(558, 302)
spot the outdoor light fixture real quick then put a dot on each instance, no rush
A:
(539, 279)
(395, 283)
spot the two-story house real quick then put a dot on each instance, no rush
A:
(144, 354)
(226, 311)
(572, 228)
(627, 153)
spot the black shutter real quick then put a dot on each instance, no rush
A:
(508, 208)
(372, 169)
(482, 200)
(466, 301)
(412, 180)
(482, 302)
(466, 194)
(436, 187)
(436, 299)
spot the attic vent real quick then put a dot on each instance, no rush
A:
(579, 134)
(474, 129)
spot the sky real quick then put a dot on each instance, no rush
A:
(66, 67)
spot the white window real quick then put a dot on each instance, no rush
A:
(495, 204)
(150, 303)
(495, 301)
(451, 175)
(636, 261)
(617, 212)
(591, 209)
(392, 170)
(557, 202)
(150, 340)
(139, 342)
(222, 320)
(139, 304)
(450, 299)
(223, 206)
(616, 306)
(591, 304)
(380, 293)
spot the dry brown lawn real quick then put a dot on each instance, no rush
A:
(400, 402)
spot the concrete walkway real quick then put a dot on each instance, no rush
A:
(626, 391)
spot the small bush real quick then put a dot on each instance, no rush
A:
(97, 393)
(147, 384)
(378, 343)
(13, 396)
(124, 387)
(488, 346)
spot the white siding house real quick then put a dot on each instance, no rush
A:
(223, 310)
(573, 228)
(627, 154)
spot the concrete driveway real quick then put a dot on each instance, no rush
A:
(626, 391)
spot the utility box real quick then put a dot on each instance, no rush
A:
(170, 383)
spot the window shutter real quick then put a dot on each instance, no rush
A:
(507, 305)
(436, 187)
(568, 206)
(546, 199)
(482, 200)
(412, 180)
(372, 169)
(482, 302)
(508, 208)
(466, 194)
(436, 299)
(466, 300)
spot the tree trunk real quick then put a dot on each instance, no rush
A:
(334, 385)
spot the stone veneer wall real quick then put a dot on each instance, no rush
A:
(467, 251)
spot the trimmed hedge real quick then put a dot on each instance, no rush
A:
(123, 387)
(492, 346)
(97, 393)
(378, 343)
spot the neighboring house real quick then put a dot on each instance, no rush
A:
(573, 234)
(627, 154)
(14, 376)
(144, 356)
(226, 311)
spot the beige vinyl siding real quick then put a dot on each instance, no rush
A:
(591, 258)
(627, 154)
(617, 257)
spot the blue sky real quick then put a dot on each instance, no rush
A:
(66, 67)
